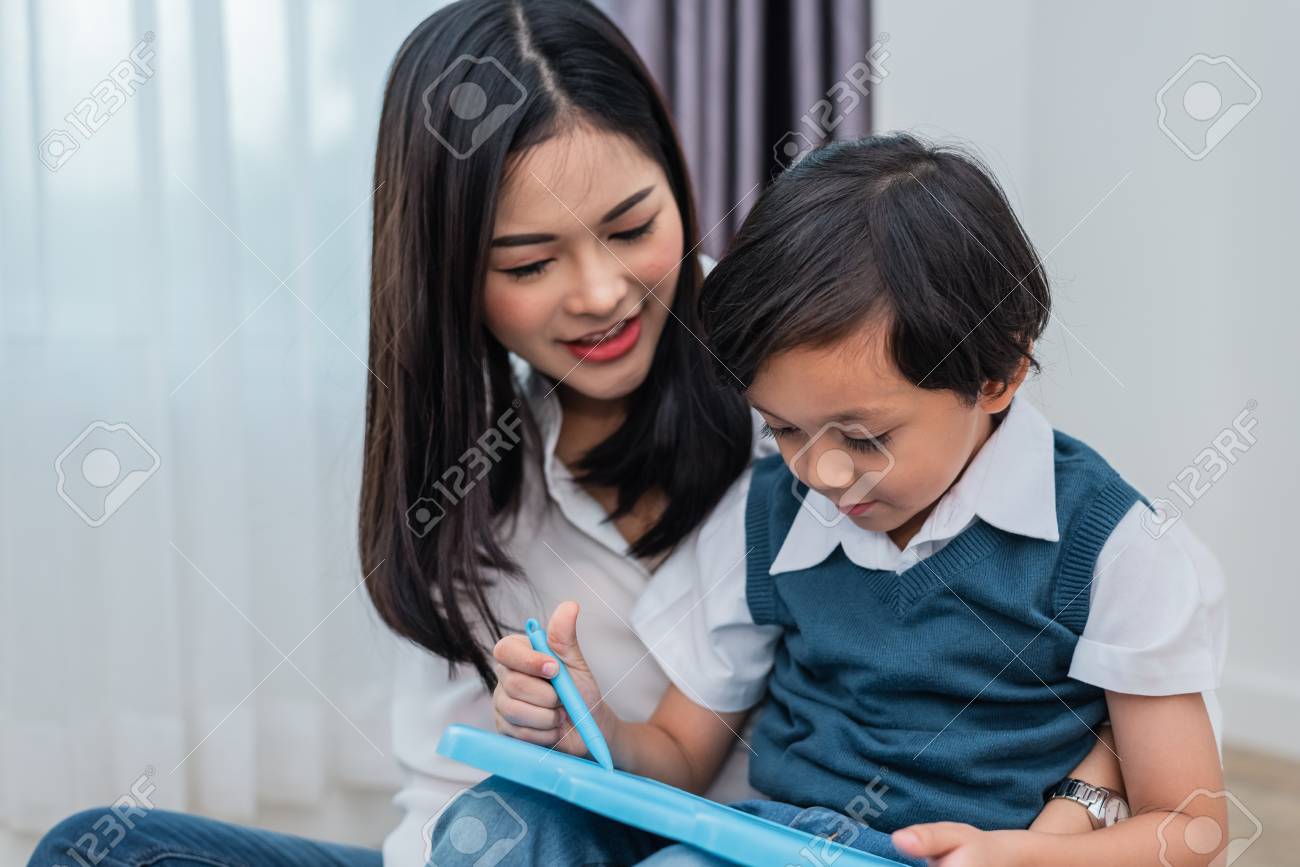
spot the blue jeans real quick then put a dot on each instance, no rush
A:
(503, 823)
(106, 838)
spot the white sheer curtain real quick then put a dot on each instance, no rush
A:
(188, 258)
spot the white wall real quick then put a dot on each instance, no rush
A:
(1173, 306)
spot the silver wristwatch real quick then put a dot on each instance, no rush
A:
(1104, 806)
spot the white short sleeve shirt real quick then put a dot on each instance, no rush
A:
(1156, 624)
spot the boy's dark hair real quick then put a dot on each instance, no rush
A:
(885, 227)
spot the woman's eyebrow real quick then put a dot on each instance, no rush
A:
(541, 238)
(521, 240)
(626, 205)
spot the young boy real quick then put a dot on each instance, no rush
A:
(942, 598)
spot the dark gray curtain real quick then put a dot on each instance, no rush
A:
(753, 85)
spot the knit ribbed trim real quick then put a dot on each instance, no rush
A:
(758, 541)
(902, 589)
(1086, 538)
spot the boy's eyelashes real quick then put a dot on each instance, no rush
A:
(532, 269)
(859, 444)
(873, 444)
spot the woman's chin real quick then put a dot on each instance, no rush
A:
(599, 380)
(608, 382)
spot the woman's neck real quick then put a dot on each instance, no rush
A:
(586, 423)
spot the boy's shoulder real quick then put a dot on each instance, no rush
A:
(1086, 481)
(770, 475)
(1076, 454)
(769, 466)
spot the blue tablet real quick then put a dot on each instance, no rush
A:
(647, 804)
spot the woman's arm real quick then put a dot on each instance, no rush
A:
(1170, 766)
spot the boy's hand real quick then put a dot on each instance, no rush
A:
(952, 844)
(525, 704)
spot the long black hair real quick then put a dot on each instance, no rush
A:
(476, 84)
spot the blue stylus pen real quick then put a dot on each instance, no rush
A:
(571, 699)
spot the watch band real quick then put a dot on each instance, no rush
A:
(1104, 807)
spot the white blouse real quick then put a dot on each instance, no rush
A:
(564, 544)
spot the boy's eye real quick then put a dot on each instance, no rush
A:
(778, 432)
(635, 234)
(530, 270)
(866, 445)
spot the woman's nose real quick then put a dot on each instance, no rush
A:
(599, 290)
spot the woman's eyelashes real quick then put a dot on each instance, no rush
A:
(532, 269)
(631, 236)
(637, 233)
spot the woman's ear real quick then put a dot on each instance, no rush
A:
(996, 396)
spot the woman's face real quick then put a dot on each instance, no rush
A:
(585, 256)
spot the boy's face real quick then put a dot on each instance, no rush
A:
(853, 428)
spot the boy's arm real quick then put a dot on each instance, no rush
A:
(1099, 768)
(1170, 765)
(683, 744)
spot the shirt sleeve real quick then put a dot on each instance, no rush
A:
(1157, 623)
(695, 619)
(426, 699)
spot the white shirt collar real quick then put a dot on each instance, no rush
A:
(558, 482)
(1011, 484)
(540, 393)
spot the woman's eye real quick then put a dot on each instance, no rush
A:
(872, 444)
(635, 234)
(530, 270)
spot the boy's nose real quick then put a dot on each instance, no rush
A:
(834, 468)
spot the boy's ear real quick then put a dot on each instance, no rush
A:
(996, 396)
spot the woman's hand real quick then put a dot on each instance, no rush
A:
(525, 704)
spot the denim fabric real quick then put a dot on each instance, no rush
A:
(818, 821)
(104, 837)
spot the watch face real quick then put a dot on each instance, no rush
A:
(1115, 810)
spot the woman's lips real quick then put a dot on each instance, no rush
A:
(619, 343)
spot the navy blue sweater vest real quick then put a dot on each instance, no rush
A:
(941, 693)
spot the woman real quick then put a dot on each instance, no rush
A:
(532, 200)
(546, 428)
(581, 267)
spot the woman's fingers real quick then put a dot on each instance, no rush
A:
(524, 715)
(544, 737)
(515, 653)
(530, 690)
